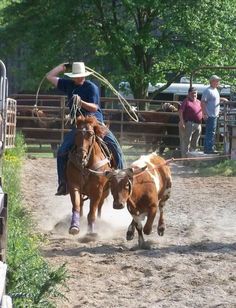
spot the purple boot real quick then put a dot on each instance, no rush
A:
(74, 226)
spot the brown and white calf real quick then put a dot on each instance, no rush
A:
(145, 187)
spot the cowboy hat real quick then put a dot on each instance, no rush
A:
(78, 70)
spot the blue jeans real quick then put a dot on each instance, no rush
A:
(209, 141)
(66, 146)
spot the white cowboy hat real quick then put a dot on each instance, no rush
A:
(78, 70)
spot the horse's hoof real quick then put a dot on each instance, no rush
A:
(129, 236)
(74, 230)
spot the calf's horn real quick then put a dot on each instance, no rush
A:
(131, 171)
(106, 173)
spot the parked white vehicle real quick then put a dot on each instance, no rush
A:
(177, 91)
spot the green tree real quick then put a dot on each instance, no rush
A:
(133, 40)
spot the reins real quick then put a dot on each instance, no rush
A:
(89, 152)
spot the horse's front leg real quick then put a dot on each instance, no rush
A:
(75, 219)
(94, 203)
(81, 206)
(104, 196)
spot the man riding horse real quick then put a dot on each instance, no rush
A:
(86, 95)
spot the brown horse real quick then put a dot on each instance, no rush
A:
(87, 154)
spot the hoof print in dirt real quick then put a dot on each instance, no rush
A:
(89, 237)
(144, 246)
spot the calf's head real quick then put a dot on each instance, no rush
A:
(121, 187)
(121, 183)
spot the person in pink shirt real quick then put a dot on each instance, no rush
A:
(190, 114)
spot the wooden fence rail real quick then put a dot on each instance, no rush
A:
(50, 127)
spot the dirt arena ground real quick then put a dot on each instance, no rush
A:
(192, 265)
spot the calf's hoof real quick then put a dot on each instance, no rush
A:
(74, 230)
(161, 230)
(129, 235)
(147, 230)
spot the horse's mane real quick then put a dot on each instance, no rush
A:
(99, 129)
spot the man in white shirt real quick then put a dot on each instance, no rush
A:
(211, 108)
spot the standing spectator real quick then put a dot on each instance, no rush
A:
(89, 99)
(190, 114)
(211, 109)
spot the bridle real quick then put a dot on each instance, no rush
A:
(80, 151)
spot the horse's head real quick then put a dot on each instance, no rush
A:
(87, 130)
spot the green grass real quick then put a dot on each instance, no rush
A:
(225, 168)
(31, 281)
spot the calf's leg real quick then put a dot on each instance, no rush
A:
(161, 223)
(150, 218)
(130, 231)
(141, 242)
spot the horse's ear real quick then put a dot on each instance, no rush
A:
(100, 130)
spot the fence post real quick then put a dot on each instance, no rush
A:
(233, 142)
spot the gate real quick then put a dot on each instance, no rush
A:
(7, 136)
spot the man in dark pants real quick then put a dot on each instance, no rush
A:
(89, 100)
(211, 108)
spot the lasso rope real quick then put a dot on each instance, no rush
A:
(76, 106)
(172, 160)
(127, 107)
(37, 93)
